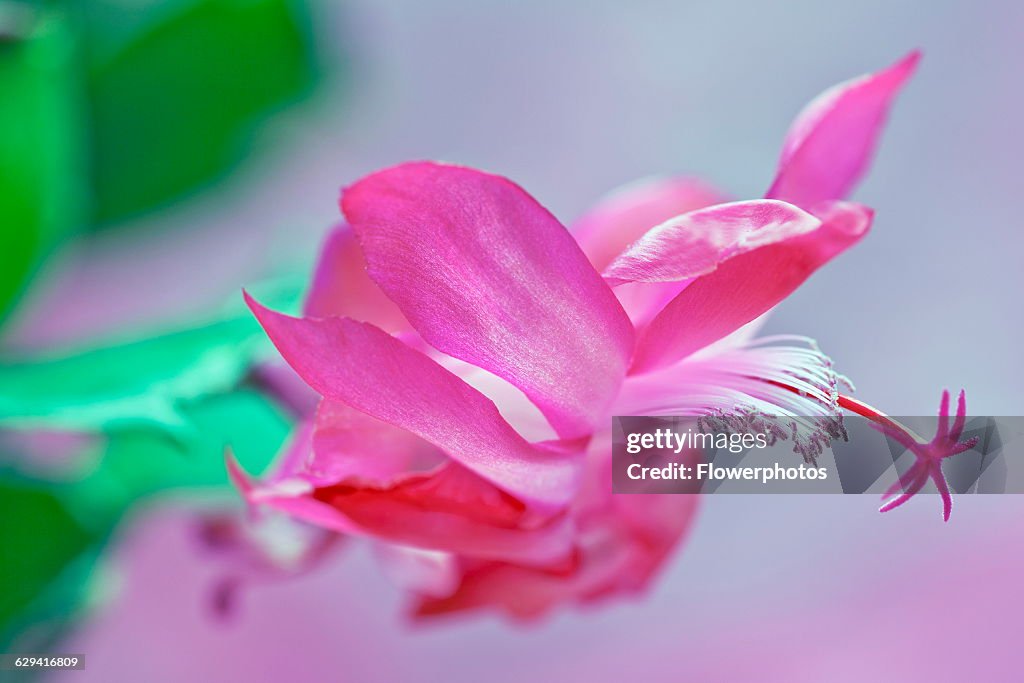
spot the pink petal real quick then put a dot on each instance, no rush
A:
(622, 542)
(744, 287)
(359, 364)
(341, 286)
(643, 300)
(830, 144)
(452, 510)
(295, 457)
(392, 484)
(523, 593)
(615, 557)
(425, 572)
(486, 274)
(449, 510)
(348, 444)
(626, 214)
(357, 475)
(695, 243)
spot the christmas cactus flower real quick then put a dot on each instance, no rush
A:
(470, 350)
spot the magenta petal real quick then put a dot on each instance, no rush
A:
(341, 286)
(451, 510)
(627, 213)
(448, 510)
(622, 542)
(486, 274)
(744, 287)
(830, 144)
(361, 365)
(695, 243)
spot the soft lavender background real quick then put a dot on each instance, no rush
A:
(571, 100)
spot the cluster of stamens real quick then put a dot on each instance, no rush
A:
(810, 435)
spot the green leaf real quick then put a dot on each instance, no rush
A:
(139, 462)
(145, 382)
(177, 86)
(138, 384)
(42, 177)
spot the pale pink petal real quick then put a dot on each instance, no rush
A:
(661, 262)
(744, 287)
(626, 214)
(487, 275)
(643, 300)
(830, 144)
(359, 364)
(341, 286)
(424, 572)
(695, 243)
(349, 444)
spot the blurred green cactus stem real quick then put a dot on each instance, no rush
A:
(112, 108)
(176, 87)
(42, 142)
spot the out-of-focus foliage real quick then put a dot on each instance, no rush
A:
(111, 108)
(159, 414)
(42, 168)
(114, 107)
(175, 87)
(145, 383)
(53, 533)
(39, 541)
(138, 384)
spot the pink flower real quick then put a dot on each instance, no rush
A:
(470, 351)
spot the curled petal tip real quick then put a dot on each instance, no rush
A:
(254, 306)
(910, 61)
(239, 478)
(838, 131)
